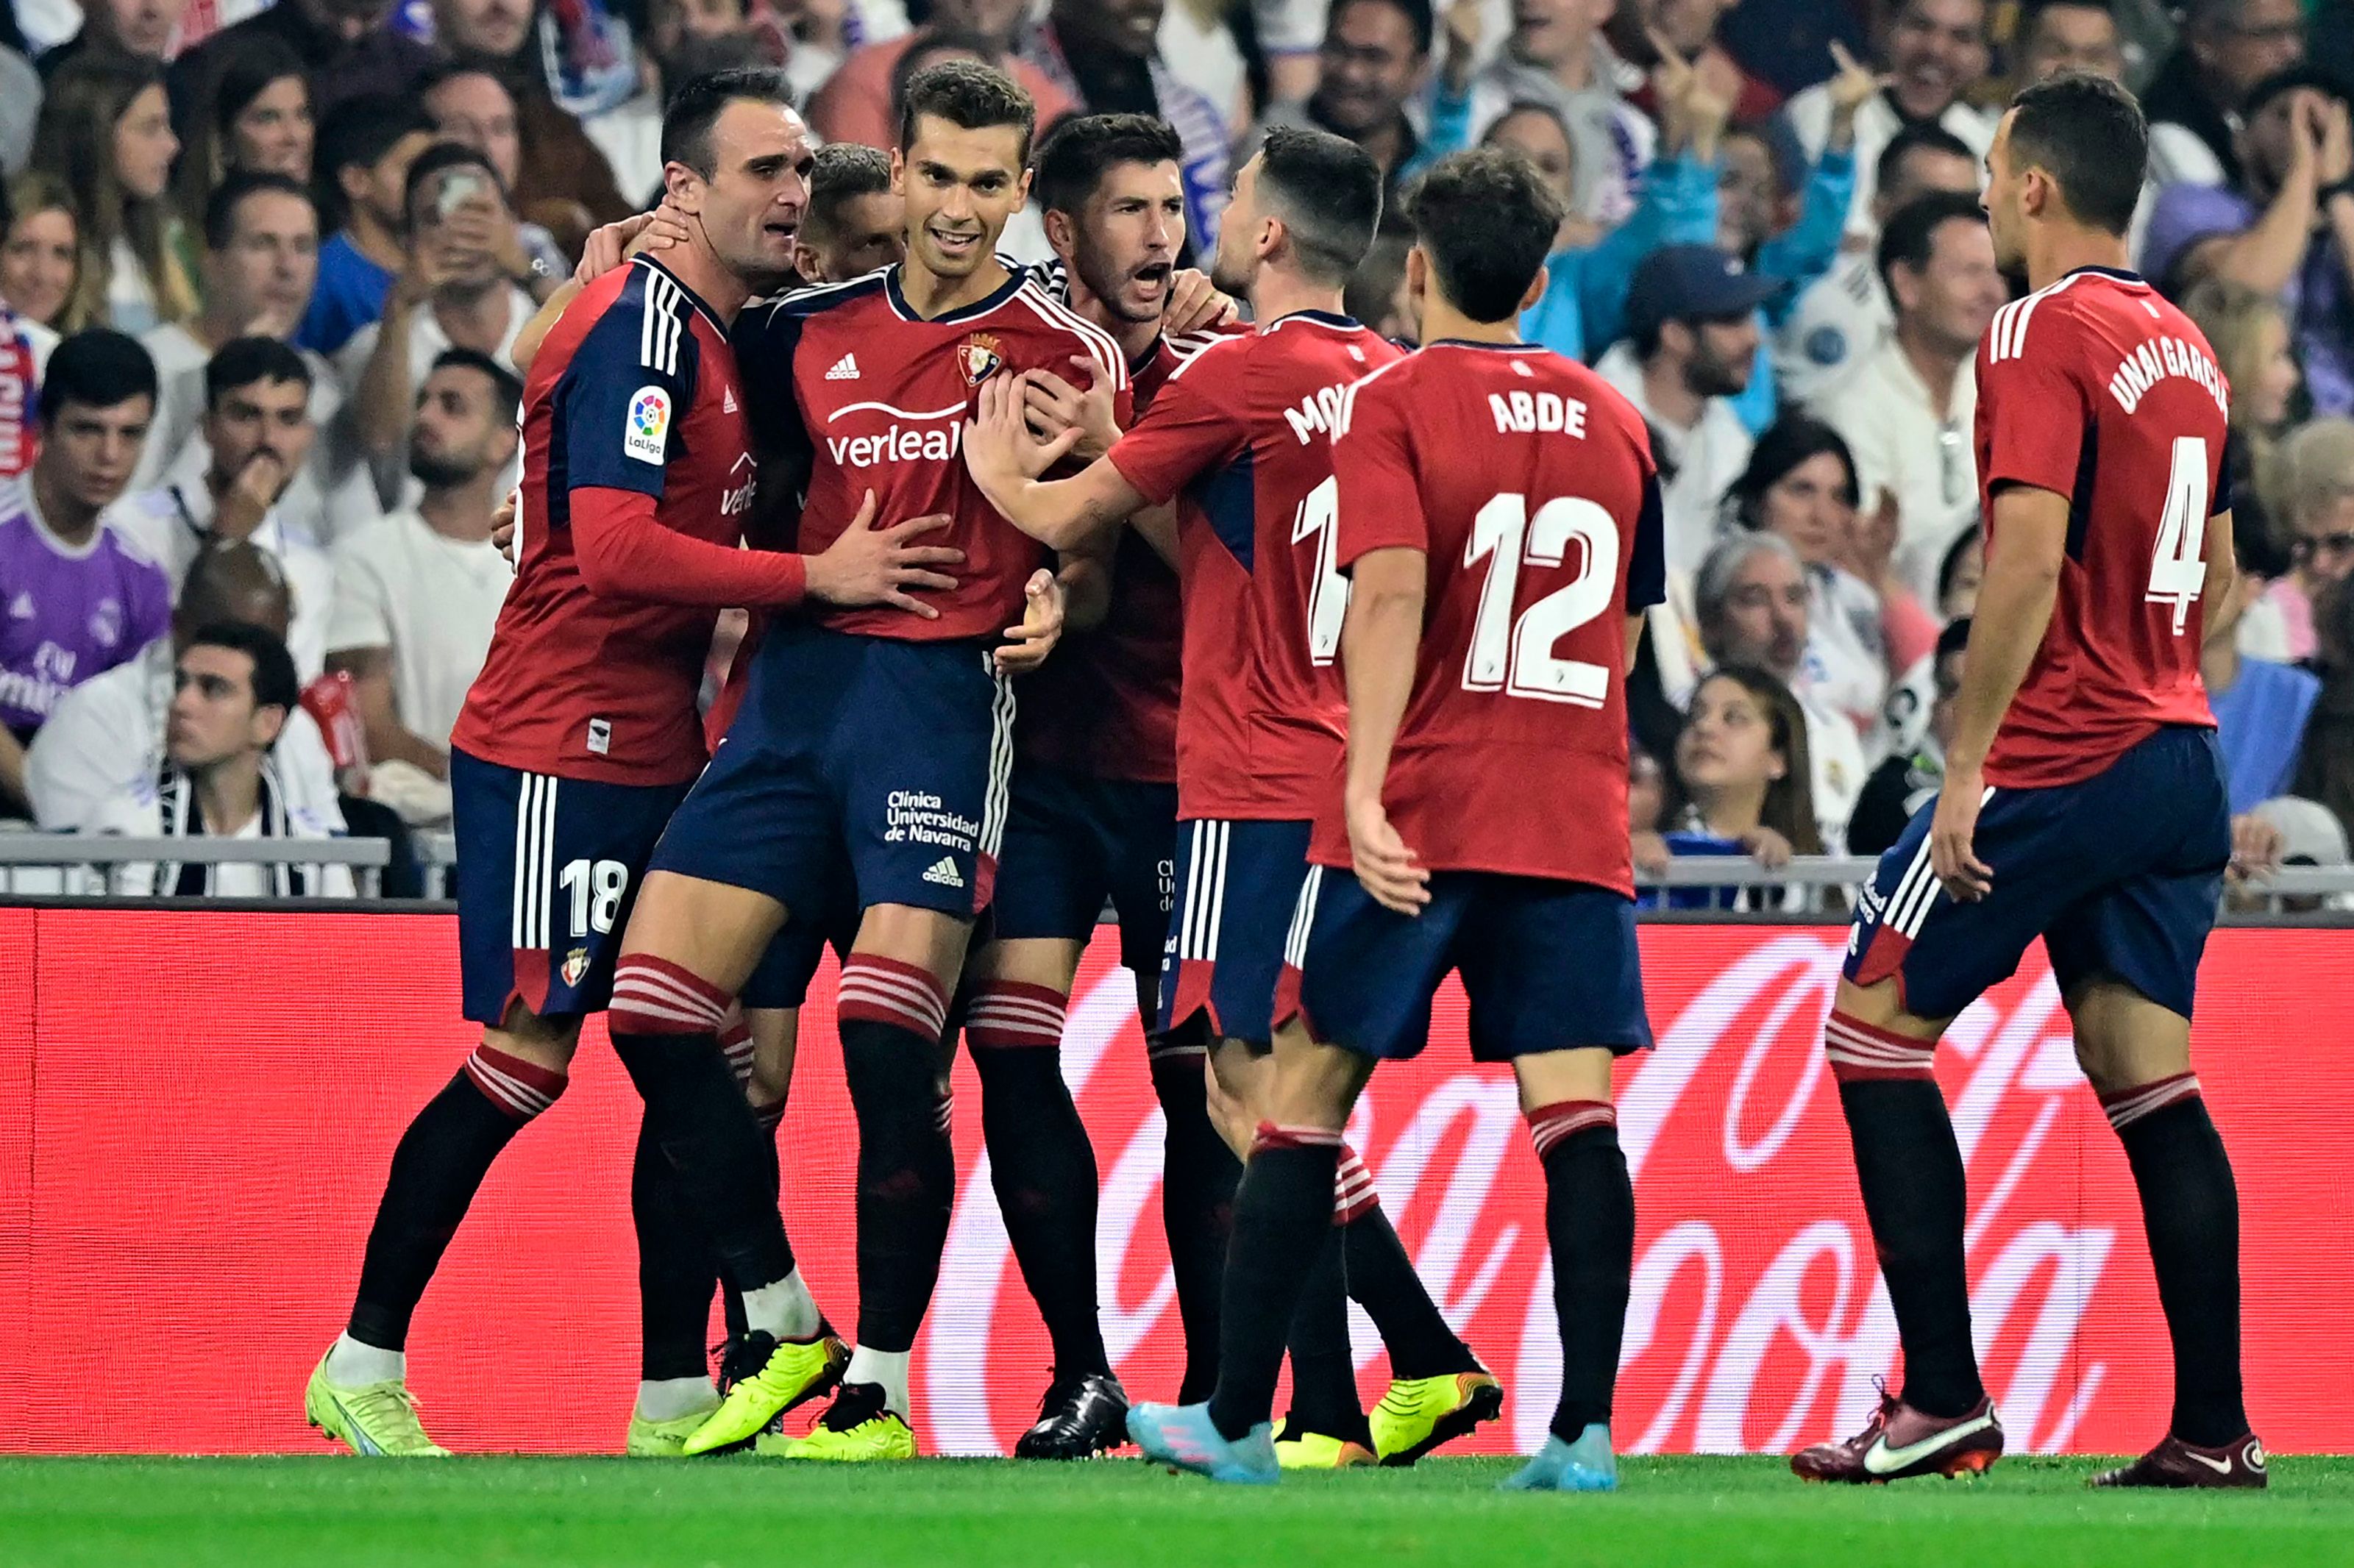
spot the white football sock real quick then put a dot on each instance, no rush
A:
(786, 1308)
(351, 1365)
(669, 1398)
(888, 1368)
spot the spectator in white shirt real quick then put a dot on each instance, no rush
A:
(2198, 102)
(261, 258)
(1692, 340)
(417, 593)
(1842, 315)
(257, 434)
(1936, 52)
(1752, 603)
(1554, 55)
(1908, 411)
(106, 736)
(234, 691)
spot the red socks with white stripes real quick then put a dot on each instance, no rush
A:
(436, 1170)
(891, 1015)
(2190, 1209)
(1041, 1162)
(1590, 1228)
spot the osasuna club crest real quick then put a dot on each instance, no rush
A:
(979, 354)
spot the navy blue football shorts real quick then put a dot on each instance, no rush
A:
(2119, 873)
(1548, 965)
(547, 870)
(1074, 842)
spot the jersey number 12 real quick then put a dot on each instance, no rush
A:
(1515, 656)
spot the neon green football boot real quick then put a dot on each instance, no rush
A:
(652, 1439)
(1419, 1413)
(375, 1420)
(857, 1429)
(767, 1377)
(1319, 1451)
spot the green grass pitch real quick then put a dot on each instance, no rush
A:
(1690, 1512)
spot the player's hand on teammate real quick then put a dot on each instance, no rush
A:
(884, 565)
(1195, 304)
(1053, 405)
(615, 243)
(503, 527)
(1385, 867)
(1967, 878)
(1000, 448)
(1027, 645)
(2256, 848)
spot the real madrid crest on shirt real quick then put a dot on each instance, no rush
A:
(979, 354)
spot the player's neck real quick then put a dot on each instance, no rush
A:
(931, 295)
(2055, 250)
(229, 793)
(1277, 292)
(1442, 322)
(714, 282)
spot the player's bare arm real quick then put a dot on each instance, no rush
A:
(1006, 459)
(1379, 640)
(1086, 577)
(2022, 581)
(1156, 526)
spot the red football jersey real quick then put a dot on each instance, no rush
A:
(635, 389)
(1527, 481)
(2097, 389)
(853, 391)
(1105, 705)
(1243, 431)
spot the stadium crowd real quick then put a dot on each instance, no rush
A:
(264, 269)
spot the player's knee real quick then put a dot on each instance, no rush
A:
(547, 1043)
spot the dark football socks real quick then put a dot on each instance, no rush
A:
(436, 1170)
(1323, 1362)
(891, 1015)
(2191, 1208)
(1283, 1214)
(1910, 1168)
(675, 1276)
(1590, 1228)
(1041, 1162)
(1197, 1205)
(1383, 1281)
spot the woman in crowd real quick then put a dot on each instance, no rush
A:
(1800, 483)
(2311, 494)
(106, 126)
(259, 122)
(2249, 335)
(41, 274)
(1739, 787)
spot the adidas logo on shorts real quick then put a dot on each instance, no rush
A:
(844, 369)
(944, 872)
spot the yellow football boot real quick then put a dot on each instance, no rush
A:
(1316, 1451)
(780, 1376)
(857, 1429)
(650, 1439)
(1419, 1413)
(377, 1420)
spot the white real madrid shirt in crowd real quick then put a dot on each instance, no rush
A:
(1707, 459)
(130, 294)
(1876, 124)
(106, 738)
(1845, 665)
(1884, 413)
(1839, 320)
(167, 808)
(431, 599)
(174, 523)
(1835, 755)
(180, 360)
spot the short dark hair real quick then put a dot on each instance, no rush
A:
(275, 683)
(695, 108)
(446, 156)
(841, 174)
(1082, 148)
(1955, 638)
(359, 130)
(2303, 76)
(99, 368)
(1910, 235)
(241, 361)
(1418, 15)
(442, 72)
(2032, 13)
(220, 208)
(1328, 192)
(1487, 220)
(970, 96)
(2088, 134)
(1930, 137)
(507, 391)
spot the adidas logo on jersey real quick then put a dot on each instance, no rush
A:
(728, 402)
(844, 369)
(21, 607)
(944, 872)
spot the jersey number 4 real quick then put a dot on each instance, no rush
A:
(2177, 573)
(1515, 654)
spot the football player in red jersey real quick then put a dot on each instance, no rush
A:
(1240, 437)
(580, 735)
(2083, 802)
(1498, 516)
(871, 739)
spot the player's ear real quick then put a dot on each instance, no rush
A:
(898, 173)
(682, 188)
(805, 262)
(1022, 192)
(1061, 232)
(1536, 292)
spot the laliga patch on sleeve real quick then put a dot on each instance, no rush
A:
(645, 426)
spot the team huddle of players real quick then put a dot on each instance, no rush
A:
(1301, 625)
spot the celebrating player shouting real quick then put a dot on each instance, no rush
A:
(2084, 802)
(875, 736)
(1499, 518)
(1243, 432)
(581, 734)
